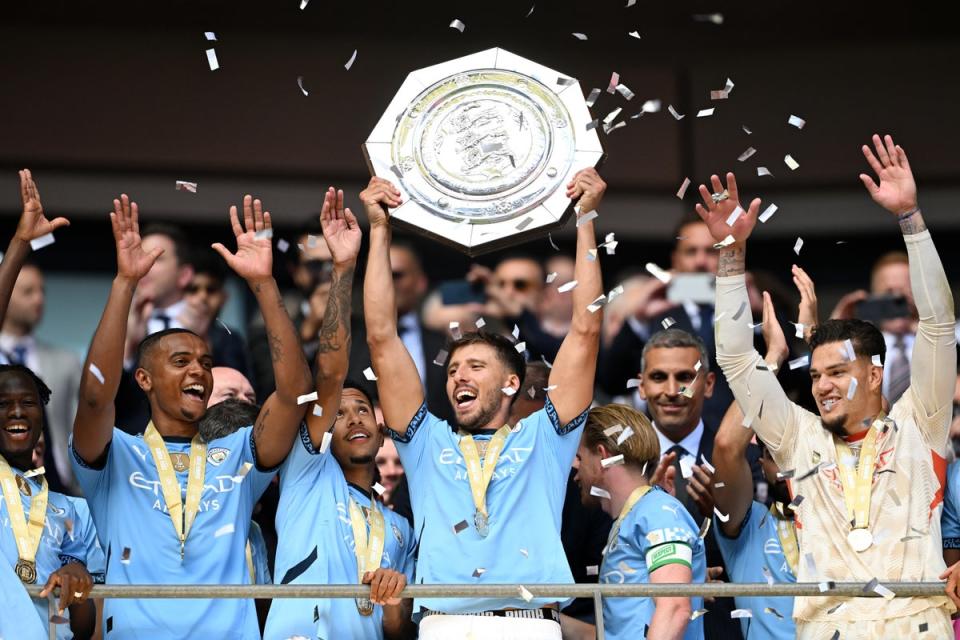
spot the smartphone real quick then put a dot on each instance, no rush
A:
(461, 292)
(700, 288)
(876, 309)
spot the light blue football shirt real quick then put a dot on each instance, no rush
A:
(315, 545)
(950, 518)
(17, 615)
(60, 542)
(658, 522)
(142, 546)
(758, 546)
(524, 505)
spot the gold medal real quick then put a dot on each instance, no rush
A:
(481, 475)
(856, 478)
(26, 571)
(364, 606)
(23, 486)
(482, 524)
(632, 500)
(368, 547)
(180, 462)
(860, 540)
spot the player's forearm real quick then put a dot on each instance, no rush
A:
(589, 284)
(83, 619)
(397, 624)
(732, 260)
(290, 368)
(13, 259)
(732, 469)
(333, 352)
(379, 298)
(928, 280)
(670, 619)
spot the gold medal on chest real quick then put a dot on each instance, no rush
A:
(180, 462)
(23, 485)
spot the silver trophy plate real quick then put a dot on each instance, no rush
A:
(481, 148)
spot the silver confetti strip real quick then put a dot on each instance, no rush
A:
(796, 122)
(459, 26)
(768, 213)
(674, 113)
(592, 98)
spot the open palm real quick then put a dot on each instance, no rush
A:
(897, 191)
(717, 215)
(254, 256)
(340, 228)
(33, 224)
(132, 261)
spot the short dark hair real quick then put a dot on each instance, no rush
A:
(151, 341)
(866, 339)
(181, 245)
(210, 264)
(43, 391)
(225, 417)
(506, 351)
(356, 386)
(674, 338)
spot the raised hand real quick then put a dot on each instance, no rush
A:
(716, 214)
(254, 257)
(777, 349)
(589, 187)
(897, 192)
(807, 314)
(132, 261)
(665, 474)
(340, 228)
(33, 223)
(378, 195)
(385, 585)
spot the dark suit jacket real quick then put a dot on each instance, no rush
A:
(436, 387)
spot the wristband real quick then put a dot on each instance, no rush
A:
(904, 216)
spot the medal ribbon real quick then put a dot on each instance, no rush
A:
(367, 548)
(181, 516)
(478, 476)
(27, 529)
(856, 476)
(634, 498)
(787, 532)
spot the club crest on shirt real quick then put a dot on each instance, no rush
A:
(217, 455)
(24, 486)
(397, 534)
(180, 462)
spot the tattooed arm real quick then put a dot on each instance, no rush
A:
(342, 233)
(280, 417)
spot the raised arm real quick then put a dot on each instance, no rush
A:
(398, 383)
(31, 226)
(280, 417)
(752, 384)
(933, 366)
(342, 233)
(93, 425)
(730, 445)
(576, 364)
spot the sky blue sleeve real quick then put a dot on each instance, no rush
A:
(950, 519)
(94, 482)
(408, 561)
(732, 549)
(303, 461)
(562, 439)
(86, 532)
(413, 442)
(258, 477)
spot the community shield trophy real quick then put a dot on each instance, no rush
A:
(481, 148)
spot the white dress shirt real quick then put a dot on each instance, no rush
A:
(691, 443)
(9, 342)
(155, 324)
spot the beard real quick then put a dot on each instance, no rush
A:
(488, 411)
(835, 425)
(361, 460)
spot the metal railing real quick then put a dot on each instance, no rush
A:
(560, 591)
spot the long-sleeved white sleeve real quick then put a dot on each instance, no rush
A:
(765, 406)
(934, 363)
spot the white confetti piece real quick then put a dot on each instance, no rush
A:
(610, 117)
(43, 241)
(732, 218)
(580, 36)
(797, 246)
(881, 590)
(713, 18)
(741, 613)
(441, 358)
(595, 306)
(722, 517)
(379, 488)
(586, 217)
(798, 329)
(790, 162)
(592, 98)
(226, 529)
(532, 7)
(796, 122)
(593, 124)
(666, 323)
(532, 392)
(706, 464)
(524, 552)
(848, 351)
(210, 35)
(303, 89)
(303, 4)
(570, 286)
(634, 34)
(369, 374)
(39, 471)
(797, 363)
(455, 330)
(704, 113)
(525, 593)
(624, 436)
(696, 614)
(317, 410)
(686, 465)
(658, 273)
(726, 242)
(459, 26)
(612, 431)
(183, 185)
(546, 362)
(746, 130)
(516, 332)
(95, 370)
(651, 106)
(875, 359)
(508, 391)
(212, 59)
(593, 570)
(599, 493)
(719, 485)
(746, 154)
(633, 383)
(263, 234)
(612, 461)
(520, 347)
(551, 277)
(614, 81)
(480, 323)
(309, 397)
(282, 245)
(768, 213)
(351, 60)
(852, 389)
(683, 188)
(624, 90)
(616, 291)
(763, 171)
(550, 388)
(673, 112)
(325, 441)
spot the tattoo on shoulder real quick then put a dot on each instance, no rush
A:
(261, 421)
(336, 317)
(732, 262)
(913, 224)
